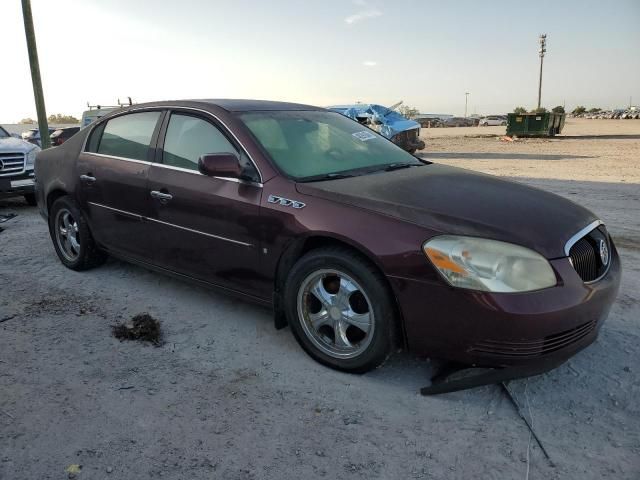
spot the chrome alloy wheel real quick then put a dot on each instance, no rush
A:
(335, 313)
(67, 236)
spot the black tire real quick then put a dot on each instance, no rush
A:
(31, 199)
(374, 287)
(88, 255)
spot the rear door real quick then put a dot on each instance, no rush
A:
(204, 227)
(113, 172)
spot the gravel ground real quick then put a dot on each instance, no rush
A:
(228, 397)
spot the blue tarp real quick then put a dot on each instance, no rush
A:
(391, 124)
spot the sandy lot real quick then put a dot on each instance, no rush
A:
(229, 397)
(588, 150)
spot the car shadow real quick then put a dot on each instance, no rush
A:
(15, 203)
(598, 137)
(499, 156)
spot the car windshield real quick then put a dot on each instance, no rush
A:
(3, 133)
(310, 145)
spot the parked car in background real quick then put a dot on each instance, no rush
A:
(492, 120)
(458, 122)
(33, 136)
(387, 122)
(357, 245)
(61, 135)
(17, 157)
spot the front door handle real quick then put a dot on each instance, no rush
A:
(163, 197)
(88, 178)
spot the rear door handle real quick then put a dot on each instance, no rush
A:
(87, 178)
(163, 197)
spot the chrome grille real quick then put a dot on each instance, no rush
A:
(11, 163)
(585, 254)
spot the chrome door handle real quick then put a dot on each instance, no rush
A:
(87, 178)
(164, 197)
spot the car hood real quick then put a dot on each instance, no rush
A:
(12, 144)
(449, 200)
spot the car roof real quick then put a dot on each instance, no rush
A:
(228, 105)
(241, 105)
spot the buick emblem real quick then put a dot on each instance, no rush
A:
(604, 252)
(1, 165)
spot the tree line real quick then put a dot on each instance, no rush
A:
(579, 110)
(54, 118)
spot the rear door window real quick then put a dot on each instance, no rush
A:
(188, 138)
(128, 136)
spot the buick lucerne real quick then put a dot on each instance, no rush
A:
(359, 246)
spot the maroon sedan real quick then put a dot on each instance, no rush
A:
(359, 246)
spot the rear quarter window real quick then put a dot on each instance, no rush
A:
(127, 136)
(94, 138)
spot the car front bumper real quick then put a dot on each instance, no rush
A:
(408, 140)
(528, 330)
(19, 185)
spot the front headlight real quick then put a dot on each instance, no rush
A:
(489, 265)
(31, 158)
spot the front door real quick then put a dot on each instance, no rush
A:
(203, 227)
(113, 173)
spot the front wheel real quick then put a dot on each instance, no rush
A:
(340, 310)
(71, 236)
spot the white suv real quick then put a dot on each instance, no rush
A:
(16, 167)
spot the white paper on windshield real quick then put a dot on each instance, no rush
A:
(364, 135)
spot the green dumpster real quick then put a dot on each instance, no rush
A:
(535, 124)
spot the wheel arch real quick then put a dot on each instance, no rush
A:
(313, 241)
(53, 195)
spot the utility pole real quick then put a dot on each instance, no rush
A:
(43, 126)
(466, 99)
(542, 51)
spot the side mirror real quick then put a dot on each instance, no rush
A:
(220, 165)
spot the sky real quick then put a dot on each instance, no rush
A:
(323, 52)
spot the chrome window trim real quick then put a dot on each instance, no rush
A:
(571, 242)
(180, 169)
(177, 107)
(195, 172)
(218, 237)
(143, 162)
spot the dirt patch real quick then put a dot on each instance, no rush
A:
(143, 327)
(62, 304)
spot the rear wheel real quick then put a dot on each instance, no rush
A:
(340, 310)
(71, 236)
